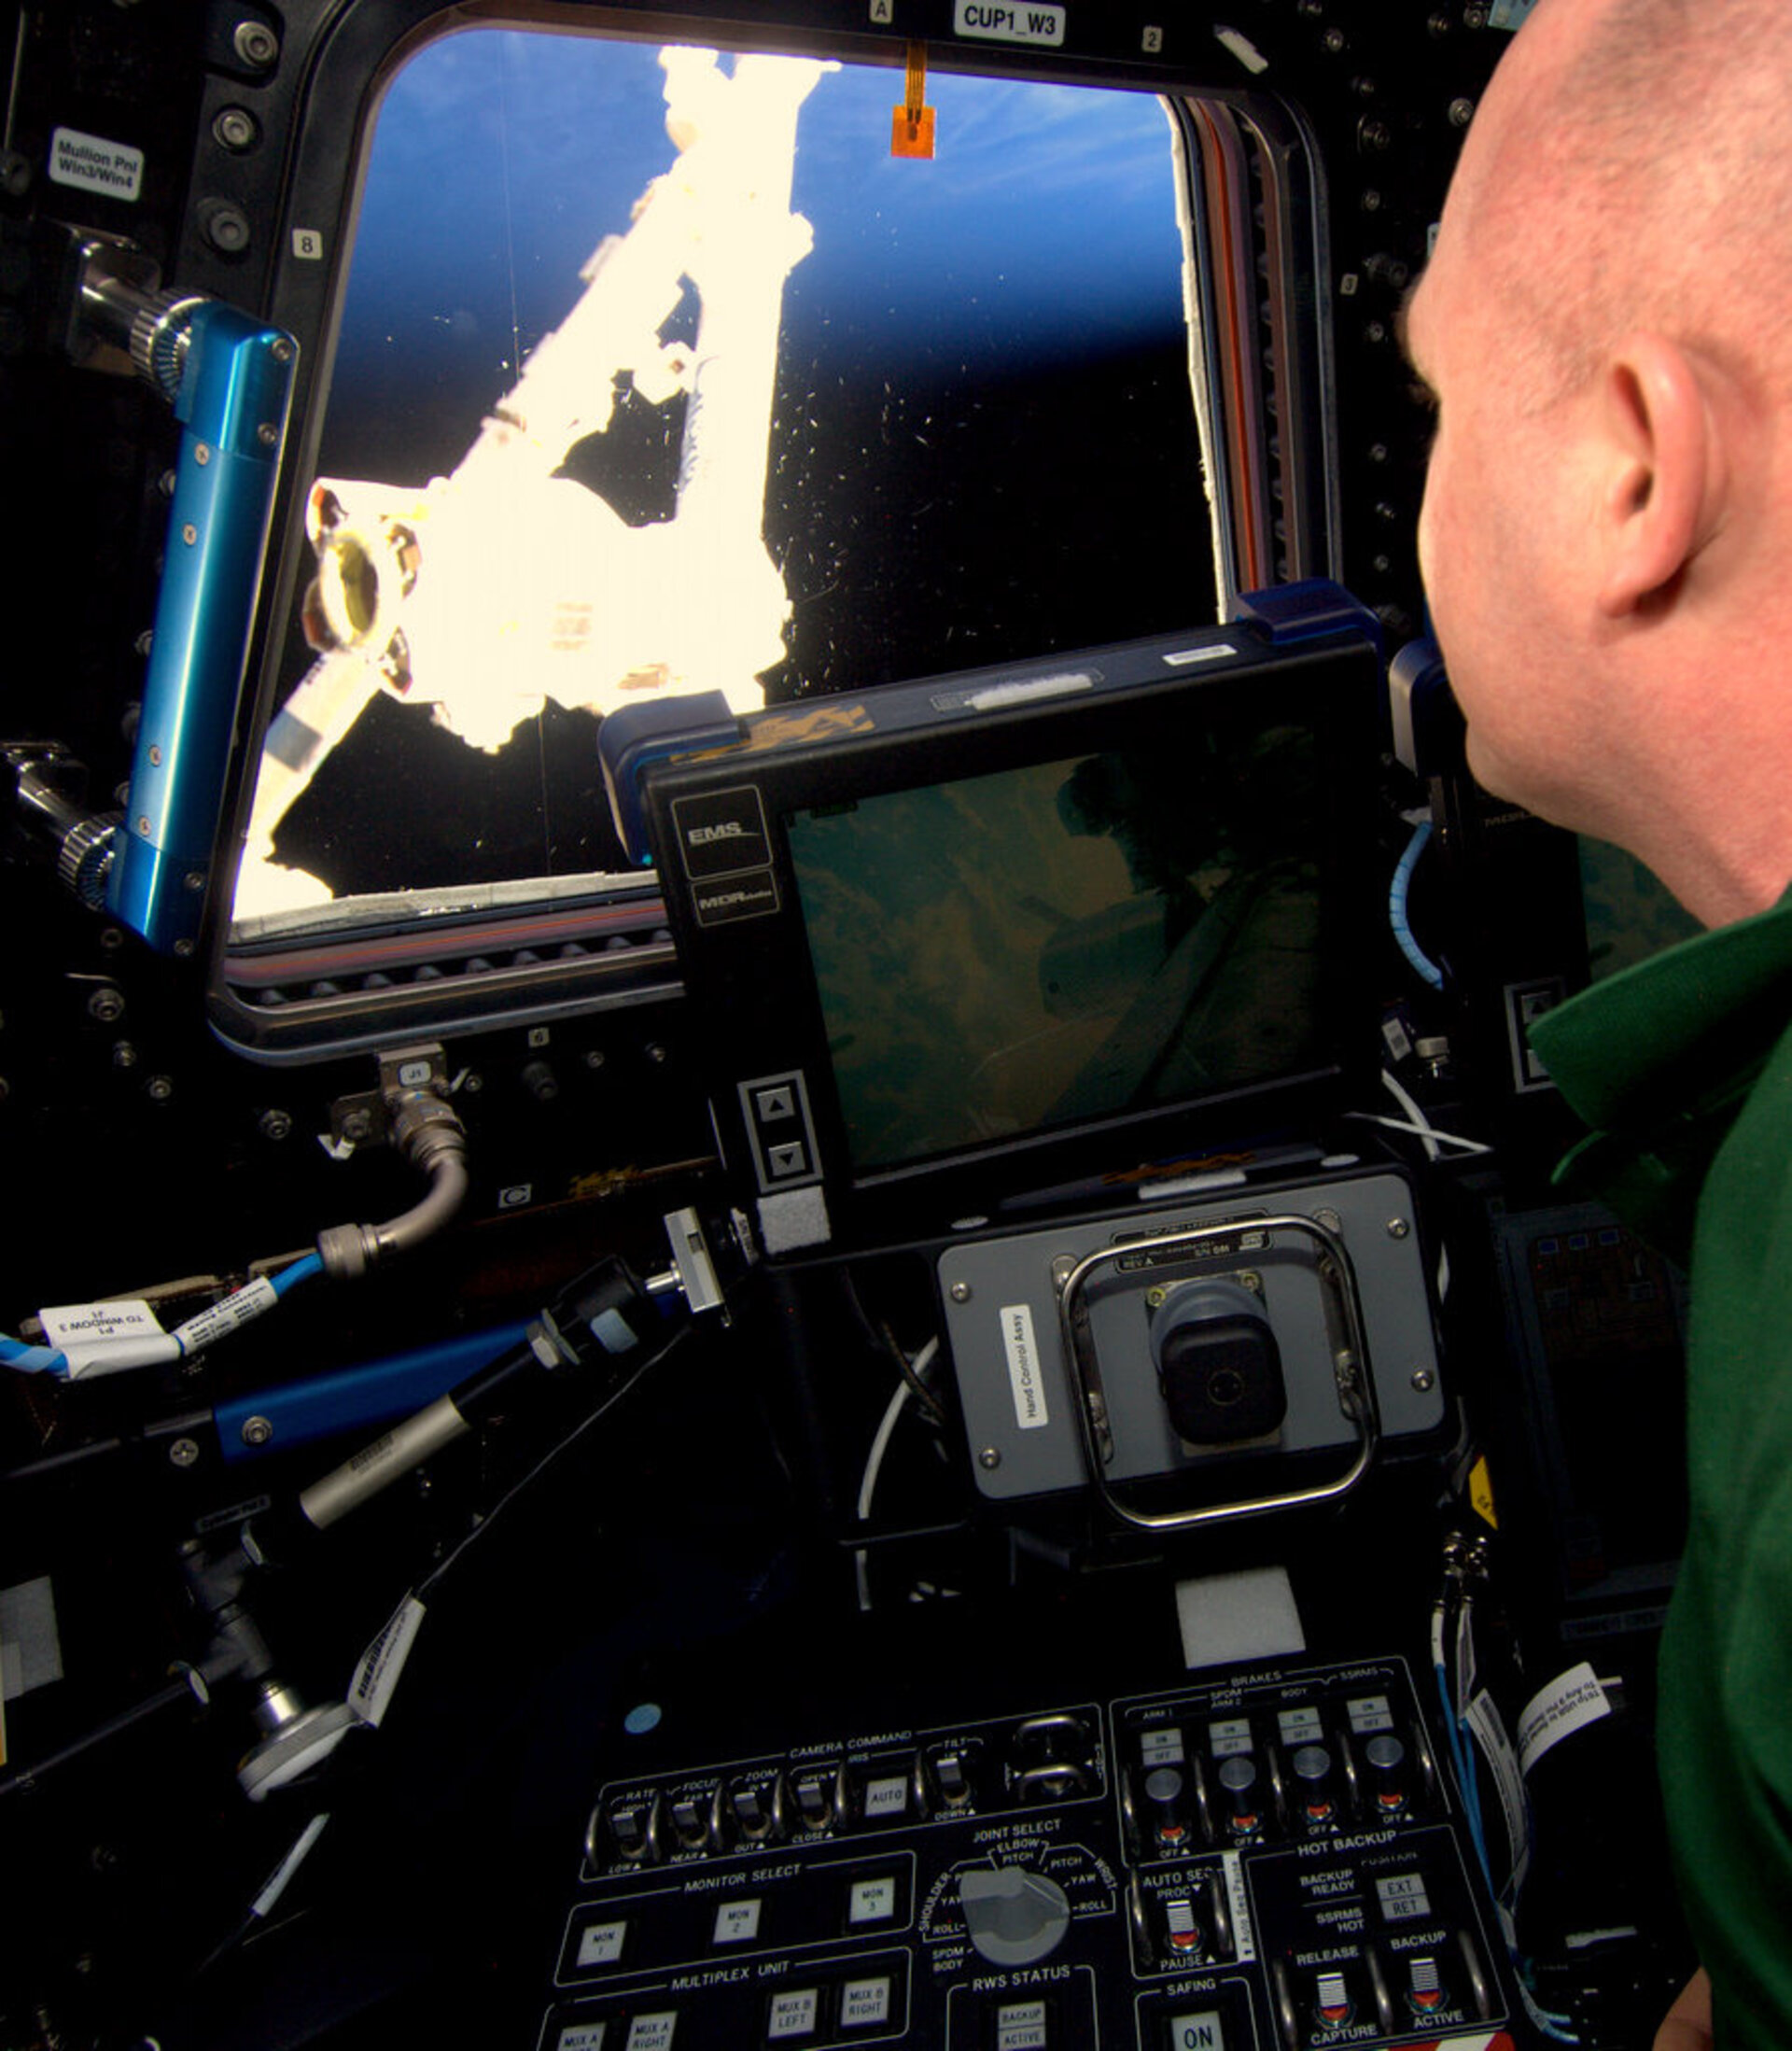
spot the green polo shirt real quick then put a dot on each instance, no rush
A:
(1683, 1067)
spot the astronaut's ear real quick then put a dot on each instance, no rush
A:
(1660, 471)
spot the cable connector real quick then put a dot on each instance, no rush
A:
(412, 1112)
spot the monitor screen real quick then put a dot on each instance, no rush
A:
(1065, 942)
(975, 937)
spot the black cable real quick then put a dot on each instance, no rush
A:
(919, 1389)
(432, 1579)
(187, 1687)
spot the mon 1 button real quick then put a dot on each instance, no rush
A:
(600, 1944)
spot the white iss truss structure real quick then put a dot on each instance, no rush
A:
(487, 592)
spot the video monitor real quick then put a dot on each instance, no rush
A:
(652, 370)
(981, 935)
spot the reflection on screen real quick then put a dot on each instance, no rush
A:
(1065, 942)
(656, 372)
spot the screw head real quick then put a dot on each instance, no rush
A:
(184, 1452)
(990, 1459)
(236, 128)
(1398, 1228)
(959, 1292)
(257, 1431)
(1423, 1378)
(255, 44)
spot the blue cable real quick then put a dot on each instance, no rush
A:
(14, 1353)
(300, 1271)
(1398, 892)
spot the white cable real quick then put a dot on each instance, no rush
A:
(1425, 1131)
(875, 1459)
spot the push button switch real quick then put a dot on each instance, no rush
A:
(1022, 2026)
(795, 2015)
(601, 1944)
(737, 1922)
(866, 2004)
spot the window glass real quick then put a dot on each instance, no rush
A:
(657, 371)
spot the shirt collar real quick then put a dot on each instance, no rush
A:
(1659, 1060)
(1683, 1031)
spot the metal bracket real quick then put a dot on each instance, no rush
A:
(1351, 1367)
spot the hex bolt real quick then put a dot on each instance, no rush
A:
(184, 1452)
(257, 1431)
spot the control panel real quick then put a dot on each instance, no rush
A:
(1271, 1861)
